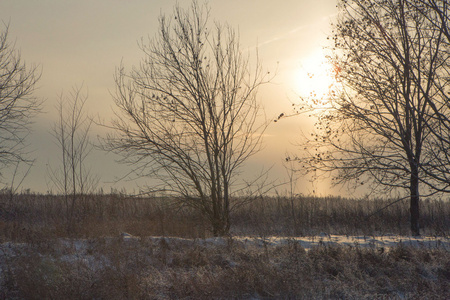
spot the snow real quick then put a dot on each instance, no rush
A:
(386, 241)
(81, 250)
(81, 246)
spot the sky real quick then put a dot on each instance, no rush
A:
(81, 43)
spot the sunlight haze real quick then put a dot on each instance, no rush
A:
(81, 43)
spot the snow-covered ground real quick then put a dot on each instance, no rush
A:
(307, 243)
(60, 261)
(73, 250)
(386, 241)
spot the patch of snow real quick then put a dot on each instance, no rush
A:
(360, 241)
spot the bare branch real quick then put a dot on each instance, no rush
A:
(17, 104)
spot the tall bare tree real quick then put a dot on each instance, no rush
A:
(437, 13)
(72, 177)
(379, 126)
(17, 103)
(188, 114)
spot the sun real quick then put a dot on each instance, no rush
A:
(314, 78)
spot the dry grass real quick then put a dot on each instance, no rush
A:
(43, 258)
(306, 216)
(34, 217)
(37, 217)
(155, 269)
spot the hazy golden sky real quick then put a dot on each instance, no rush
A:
(82, 42)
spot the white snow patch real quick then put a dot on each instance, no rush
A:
(386, 241)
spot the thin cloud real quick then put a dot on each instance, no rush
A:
(296, 30)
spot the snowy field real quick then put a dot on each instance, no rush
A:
(130, 267)
(385, 242)
(78, 247)
(76, 250)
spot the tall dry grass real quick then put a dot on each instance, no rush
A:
(304, 216)
(32, 216)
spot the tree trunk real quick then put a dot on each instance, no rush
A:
(221, 226)
(414, 203)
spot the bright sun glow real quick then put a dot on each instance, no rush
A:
(314, 78)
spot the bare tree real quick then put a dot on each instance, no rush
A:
(187, 115)
(72, 178)
(17, 104)
(378, 127)
(437, 13)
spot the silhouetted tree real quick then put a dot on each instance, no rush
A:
(17, 104)
(391, 64)
(188, 114)
(437, 13)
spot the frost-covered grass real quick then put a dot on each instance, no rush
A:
(244, 268)
(304, 247)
